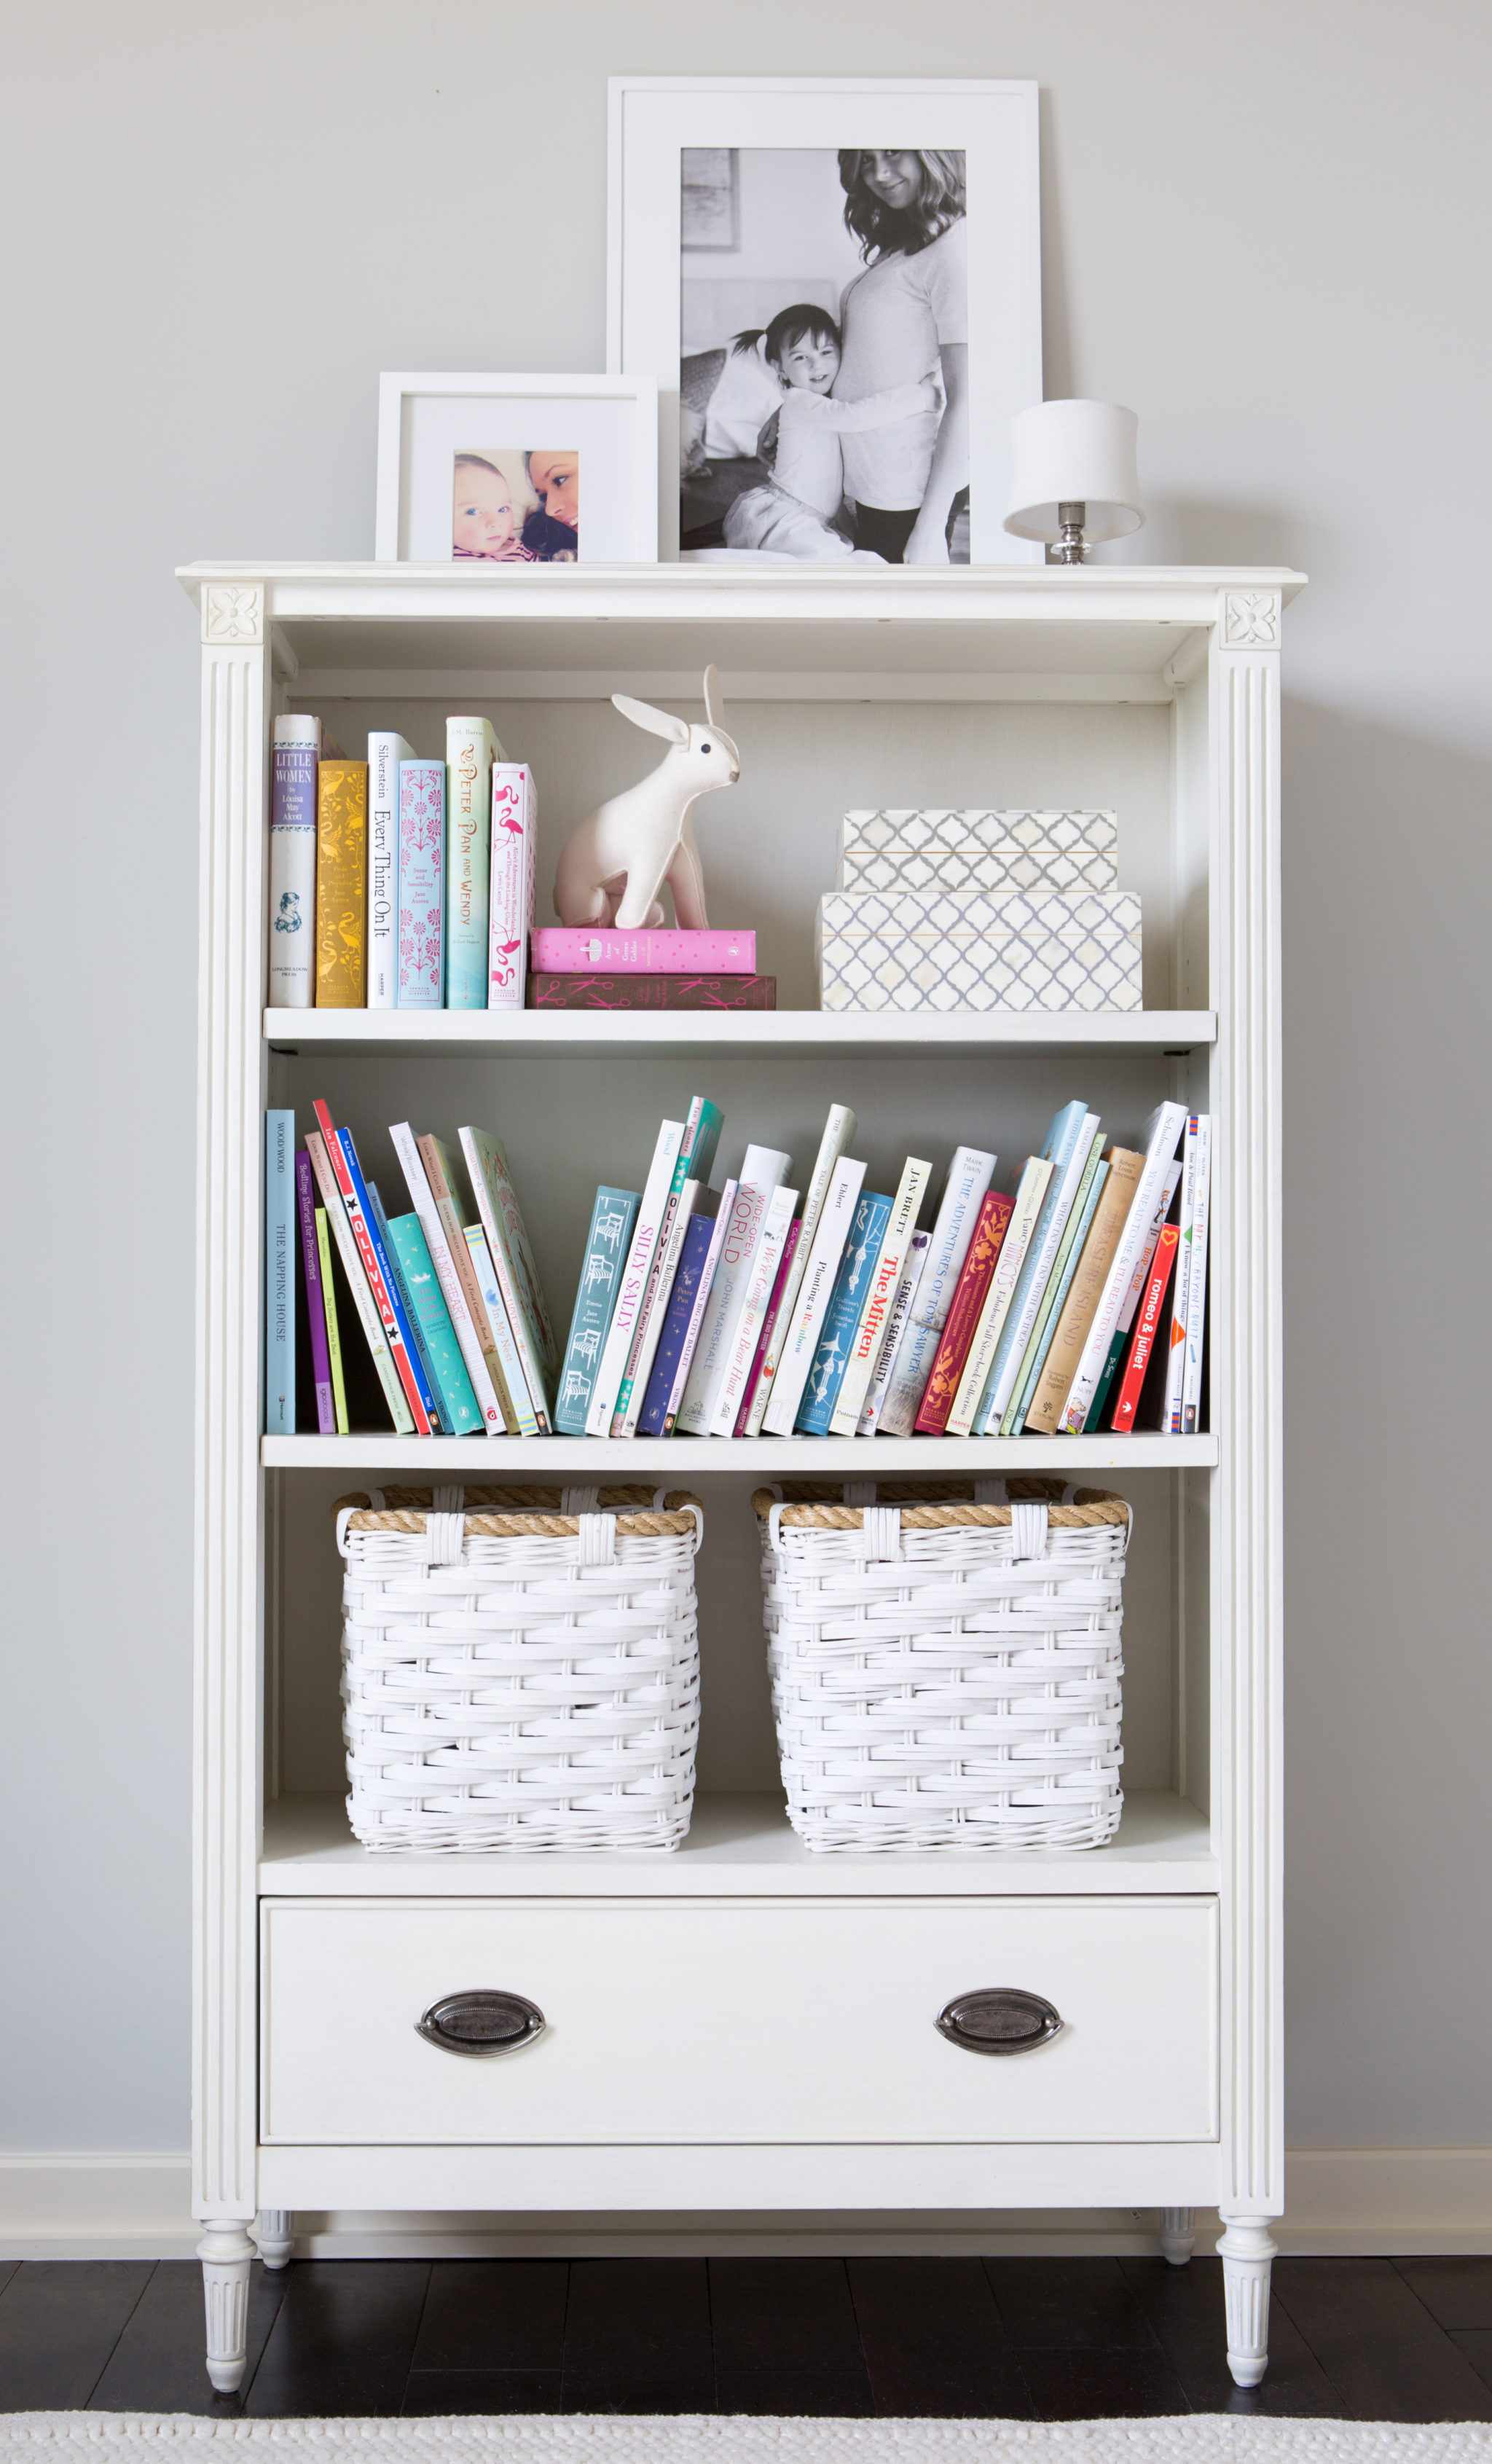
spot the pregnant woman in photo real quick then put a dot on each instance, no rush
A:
(907, 317)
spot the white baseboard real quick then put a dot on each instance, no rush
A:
(1358, 2201)
(97, 2206)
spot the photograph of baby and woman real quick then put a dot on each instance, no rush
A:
(824, 385)
(511, 508)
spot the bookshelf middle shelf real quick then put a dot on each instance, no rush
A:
(677, 1460)
(582, 1034)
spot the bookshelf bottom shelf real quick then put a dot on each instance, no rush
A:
(737, 1845)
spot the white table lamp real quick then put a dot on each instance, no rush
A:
(1073, 473)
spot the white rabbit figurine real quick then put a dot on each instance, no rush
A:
(644, 836)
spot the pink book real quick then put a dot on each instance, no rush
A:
(510, 908)
(562, 950)
(769, 1323)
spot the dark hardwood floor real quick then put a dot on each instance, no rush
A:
(1021, 2339)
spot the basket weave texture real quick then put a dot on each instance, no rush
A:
(521, 1667)
(945, 1662)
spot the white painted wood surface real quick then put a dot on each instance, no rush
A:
(737, 1844)
(724, 2022)
(1208, 644)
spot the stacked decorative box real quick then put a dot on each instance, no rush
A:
(979, 911)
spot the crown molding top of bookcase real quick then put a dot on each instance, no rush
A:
(955, 632)
(580, 1034)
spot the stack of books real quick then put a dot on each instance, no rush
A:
(397, 883)
(979, 910)
(1075, 1301)
(599, 967)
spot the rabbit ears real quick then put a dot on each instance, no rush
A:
(660, 722)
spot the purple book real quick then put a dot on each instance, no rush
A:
(316, 1304)
(699, 1234)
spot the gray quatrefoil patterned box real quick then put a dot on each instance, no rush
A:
(979, 851)
(953, 950)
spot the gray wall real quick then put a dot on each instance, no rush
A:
(1265, 229)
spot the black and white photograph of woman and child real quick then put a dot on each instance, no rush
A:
(825, 355)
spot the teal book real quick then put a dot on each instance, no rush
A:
(470, 750)
(841, 1318)
(430, 1314)
(606, 1243)
(1089, 1192)
(1111, 1370)
(403, 1298)
(279, 1274)
(1062, 1137)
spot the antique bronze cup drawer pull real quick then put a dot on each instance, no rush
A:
(481, 2023)
(1004, 2020)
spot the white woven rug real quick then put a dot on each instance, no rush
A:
(1198, 2439)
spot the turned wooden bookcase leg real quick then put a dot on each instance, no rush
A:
(225, 2253)
(1246, 2251)
(236, 690)
(275, 2235)
(1178, 2233)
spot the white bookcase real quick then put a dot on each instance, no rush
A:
(744, 2028)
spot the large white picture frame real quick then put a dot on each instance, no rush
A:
(992, 125)
(609, 421)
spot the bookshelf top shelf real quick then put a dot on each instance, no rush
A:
(737, 1844)
(382, 1034)
(953, 633)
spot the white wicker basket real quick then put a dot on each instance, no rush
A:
(520, 1666)
(944, 1668)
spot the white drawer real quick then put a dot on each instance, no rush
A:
(729, 2023)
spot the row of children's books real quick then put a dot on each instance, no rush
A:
(730, 1314)
(397, 883)
(1076, 1302)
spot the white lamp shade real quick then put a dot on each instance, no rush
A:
(1074, 453)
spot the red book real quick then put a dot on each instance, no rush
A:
(1144, 1326)
(963, 1317)
(651, 992)
(768, 1323)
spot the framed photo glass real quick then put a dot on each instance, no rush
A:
(836, 286)
(517, 470)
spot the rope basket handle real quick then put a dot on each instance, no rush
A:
(1090, 1510)
(447, 1517)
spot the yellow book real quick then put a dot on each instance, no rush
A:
(341, 884)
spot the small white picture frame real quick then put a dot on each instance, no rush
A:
(655, 253)
(609, 423)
